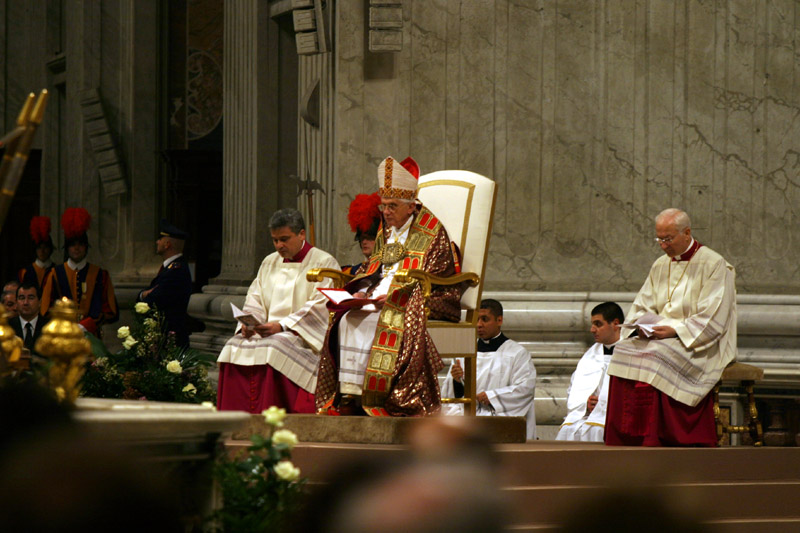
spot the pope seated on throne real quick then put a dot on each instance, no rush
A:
(380, 357)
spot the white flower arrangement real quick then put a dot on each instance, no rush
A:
(129, 342)
(274, 416)
(287, 471)
(174, 366)
(285, 437)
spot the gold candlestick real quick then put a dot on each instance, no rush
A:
(64, 343)
(10, 348)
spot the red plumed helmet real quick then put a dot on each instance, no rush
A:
(363, 212)
(40, 229)
(75, 222)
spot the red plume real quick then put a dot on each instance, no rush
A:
(40, 229)
(411, 165)
(363, 211)
(75, 222)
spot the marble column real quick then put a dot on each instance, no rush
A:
(251, 189)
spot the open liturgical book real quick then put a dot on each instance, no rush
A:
(245, 318)
(645, 324)
(342, 299)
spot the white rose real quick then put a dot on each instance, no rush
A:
(274, 416)
(191, 389)
(129, 342)
(150, 323)
(123, 332)
(209, 405)
(287, 471)
(141, 308)
(284, 436)
(174, 366)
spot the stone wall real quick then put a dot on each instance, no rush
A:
(592, 117)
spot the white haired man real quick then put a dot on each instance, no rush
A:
(660, 389)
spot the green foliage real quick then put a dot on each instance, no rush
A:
(146, 368)
(258, 495)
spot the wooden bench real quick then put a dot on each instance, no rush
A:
(743, 375)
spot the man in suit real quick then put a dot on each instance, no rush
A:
(29, 323)
(170, 290)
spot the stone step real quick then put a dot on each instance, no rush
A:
(710, 501)
(733, 489)
(718, 526)
(590, 464)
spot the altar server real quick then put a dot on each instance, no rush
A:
(587, 395)
(506, 377)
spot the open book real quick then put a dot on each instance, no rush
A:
(645, 324)
(245, 318)
(342, 299)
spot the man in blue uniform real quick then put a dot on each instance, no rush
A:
(170, 290)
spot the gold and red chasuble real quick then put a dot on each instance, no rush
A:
(391, 323)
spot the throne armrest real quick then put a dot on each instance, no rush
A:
(428, 280)
(340, 279)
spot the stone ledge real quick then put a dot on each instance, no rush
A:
(369, 430)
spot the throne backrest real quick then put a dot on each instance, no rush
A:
(464, 202)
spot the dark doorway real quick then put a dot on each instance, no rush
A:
(194, 202)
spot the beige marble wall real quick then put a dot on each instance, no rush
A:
(592, 117)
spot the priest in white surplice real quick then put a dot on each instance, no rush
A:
(275, 362)
(587, 395)
(506, 377)
(660, 390)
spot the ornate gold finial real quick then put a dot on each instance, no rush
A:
(10, 348)
(63, 342)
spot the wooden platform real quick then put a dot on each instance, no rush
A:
(729, 489)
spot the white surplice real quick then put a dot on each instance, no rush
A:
(508, 378)
(589, 378)
(357, 327)
(281, 293)
(698, 299)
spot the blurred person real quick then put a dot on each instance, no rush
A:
(54, 476)
(505, 374)
(587, 395)
(445, 481)
(9, 303)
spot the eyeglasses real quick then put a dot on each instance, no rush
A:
(389, 207)
(665, 240)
